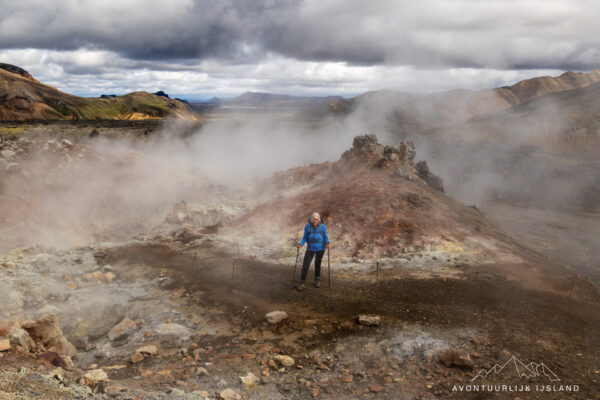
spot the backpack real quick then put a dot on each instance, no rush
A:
(319, 231)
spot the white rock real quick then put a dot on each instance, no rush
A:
(249, 380)
(230, 394)
(7, 154)
(286, 361)
(94, 377)
(369, 320)
(275, 317)
(147, 351)
(173, 329)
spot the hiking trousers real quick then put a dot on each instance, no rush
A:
(308, 256)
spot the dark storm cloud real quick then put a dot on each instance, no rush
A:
(433, 34)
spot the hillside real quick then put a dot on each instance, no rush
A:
(406, 112)
(24, 98)
(270, 100)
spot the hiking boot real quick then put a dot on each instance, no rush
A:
(317, 282)
(300, 287)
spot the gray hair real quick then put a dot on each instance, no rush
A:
(314, 216)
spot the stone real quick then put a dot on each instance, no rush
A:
(12, 168)
(6, 154)
(46, 332)
(275, 317)
(122, 330)
(230, 394)
(250, 380)
(454, 358)
(369, 320)
(109, 276)
(147, 351)
(503, 355)
(52, 358)
(96, 275)
(94, 378)
(136, 358)
(172, 329)
(432, 180)
(4, 344)
(66, 143)
(286, 361)
(374, 387)
(20, 337)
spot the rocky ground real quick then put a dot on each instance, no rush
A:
(189, 310)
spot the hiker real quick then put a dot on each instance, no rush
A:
(315, 234)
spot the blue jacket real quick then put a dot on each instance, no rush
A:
(315, 236)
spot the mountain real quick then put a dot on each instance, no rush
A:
(270, 100)
(376, 201)
(24, 98)
(558, 121)
(405, 112)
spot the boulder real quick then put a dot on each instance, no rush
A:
(172, 329)
(285, 361)
(7, 154)
(369, 320)
(94, 378)
(45, 332)
(20, 338)
(454, 358)
(275, 317)
(432, 180)
(250, 380)
(147, 351)
(4, 344)
(122, 330)
(230, 394)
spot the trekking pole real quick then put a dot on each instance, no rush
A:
(295, 265)
(328, 271)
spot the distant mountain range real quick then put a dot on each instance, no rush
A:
(22, 97)
(408, 111)
(271, 100)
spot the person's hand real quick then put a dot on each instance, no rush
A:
(298, 245)
(328, 246)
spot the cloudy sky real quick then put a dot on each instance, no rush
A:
(204, 48)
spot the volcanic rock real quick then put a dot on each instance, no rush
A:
(457, 359)
(4, 344)
(7, 154)
(95, 379)
(250, 380)
(19, 337)
(122, 330)
(230, 394)
(432, 180)
(46, 332)
(275, 317)
(369, 320)
(286, 361)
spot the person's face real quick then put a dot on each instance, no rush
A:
(316, 221)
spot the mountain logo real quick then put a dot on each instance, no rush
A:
(522, 370)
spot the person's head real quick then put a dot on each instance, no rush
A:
(315, 218)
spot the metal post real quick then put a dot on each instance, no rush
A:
(328, 271)
(295, 265)
(232, 274)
